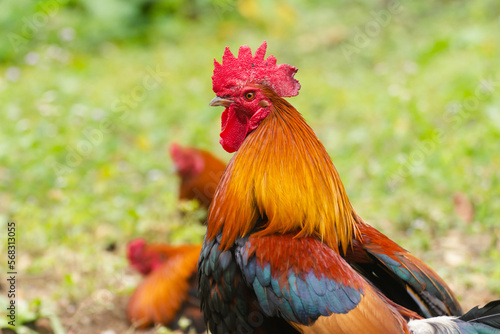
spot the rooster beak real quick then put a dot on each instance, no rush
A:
(219, 101)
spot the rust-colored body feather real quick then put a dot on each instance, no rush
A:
(283, 178)
(373, 315)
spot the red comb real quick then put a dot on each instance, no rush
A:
(236, 72)
(175, 151)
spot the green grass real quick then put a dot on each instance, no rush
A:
(410, 120)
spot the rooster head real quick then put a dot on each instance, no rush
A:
(141, 258)
(240, 86)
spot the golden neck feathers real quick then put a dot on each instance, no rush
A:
(280, 181)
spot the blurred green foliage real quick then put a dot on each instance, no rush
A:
(92, 92)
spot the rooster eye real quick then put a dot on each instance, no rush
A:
(249, 95)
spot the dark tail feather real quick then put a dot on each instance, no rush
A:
(488, 315)
(485, 320)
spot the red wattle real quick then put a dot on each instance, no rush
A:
(234, 129)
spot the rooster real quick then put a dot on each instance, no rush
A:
(169, 290)
(199, 171)
(186, 159)
(284, 249)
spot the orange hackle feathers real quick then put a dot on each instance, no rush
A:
(282, 181)
(160, 298)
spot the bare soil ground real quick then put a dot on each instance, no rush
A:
(104, 312)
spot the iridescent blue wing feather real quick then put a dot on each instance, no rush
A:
(299, 294)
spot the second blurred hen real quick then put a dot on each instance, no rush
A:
(169, 290)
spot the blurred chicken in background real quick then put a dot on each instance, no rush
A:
(168, 293)
(199, 171)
